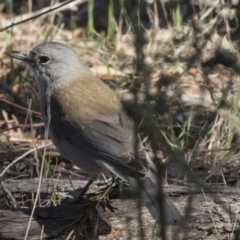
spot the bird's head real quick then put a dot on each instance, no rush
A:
(52, 63)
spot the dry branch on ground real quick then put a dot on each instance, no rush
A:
(209, 216)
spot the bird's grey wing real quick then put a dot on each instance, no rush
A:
(109, 138)
(119, 141)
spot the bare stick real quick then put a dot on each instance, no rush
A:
(40, 13)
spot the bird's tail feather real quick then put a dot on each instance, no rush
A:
(149, 190)
(150, 195)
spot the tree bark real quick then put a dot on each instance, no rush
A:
(209, 215)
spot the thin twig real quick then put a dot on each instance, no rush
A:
(234, 223)
(5, 190)
(41, 169)
(38, 191)
(41, 12)
(20, 107)
(36, 125)
(210, 211)
(21, 157)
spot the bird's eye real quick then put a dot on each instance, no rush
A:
(44, 59)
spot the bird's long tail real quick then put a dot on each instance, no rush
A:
(150, 192)
(150, 196)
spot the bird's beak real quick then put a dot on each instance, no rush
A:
(21, 55)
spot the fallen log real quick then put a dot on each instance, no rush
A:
(210, 213)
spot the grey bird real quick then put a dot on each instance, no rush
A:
(88, 125)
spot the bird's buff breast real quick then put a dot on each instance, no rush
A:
(84, 100)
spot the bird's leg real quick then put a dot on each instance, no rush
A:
(85, 189)
(106, 189)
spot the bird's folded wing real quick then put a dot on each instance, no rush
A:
(110, 137)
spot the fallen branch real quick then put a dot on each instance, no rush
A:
(57, 222)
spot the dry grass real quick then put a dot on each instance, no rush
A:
(186, 89)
